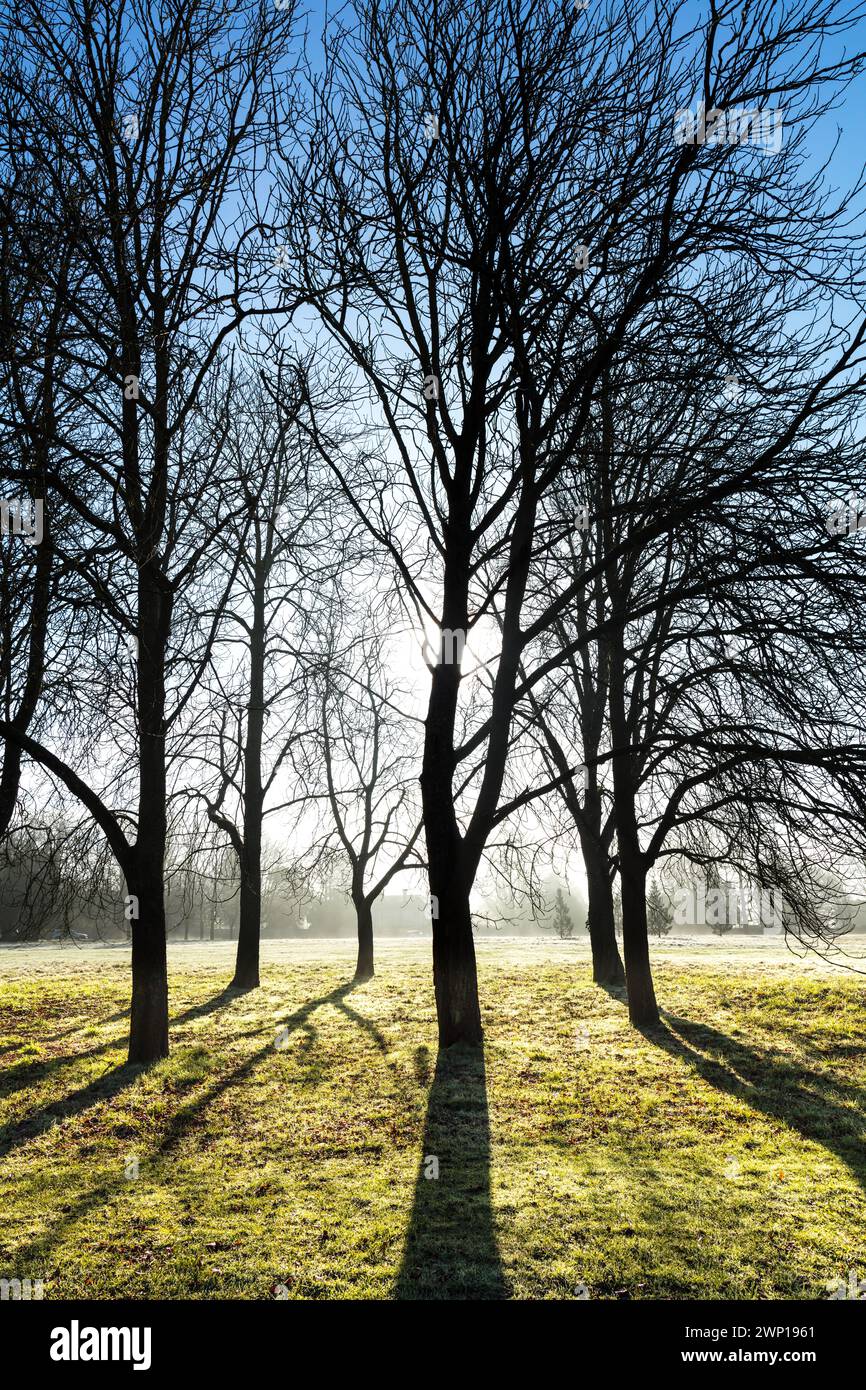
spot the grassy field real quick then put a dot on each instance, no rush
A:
(720, 1156)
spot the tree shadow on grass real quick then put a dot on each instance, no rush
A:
(186, 1117)
(184, 1120)
(451, 1249)
(819, 1107)
(110, 1083)
(23, 1074)
(368, 1026)
(75, 1028)
(101, 1088)
(619, 993)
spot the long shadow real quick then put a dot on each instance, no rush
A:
(21, 1075)
(105, 1087)
(451, 1249)
(76, 1028)
(101, 1088)
(182, 1121)
(820, 1108)
(185, 1117)
(368, 1026)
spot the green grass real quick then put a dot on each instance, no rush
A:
(721, 1156)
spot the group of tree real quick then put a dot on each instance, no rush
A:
(438, 327)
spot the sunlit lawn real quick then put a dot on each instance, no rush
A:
(722, 1156)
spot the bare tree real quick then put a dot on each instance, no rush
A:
(721, 637)
(148, 130)
(363, 750)
(34, 317)
(251, 710)
(463, 213)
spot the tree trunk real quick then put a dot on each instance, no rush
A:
(452, 857)
(250, 924)
(455, 977)
(607, 966)
(454, 974)
(10, 781)
(148, 1036)
(364, 969)
(642, 1007)
(246, 974)
(148, 1031)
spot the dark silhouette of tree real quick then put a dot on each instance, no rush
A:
(148, 130)
(363, 752)
(448, 163)
(280, 555)
(35, 682)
